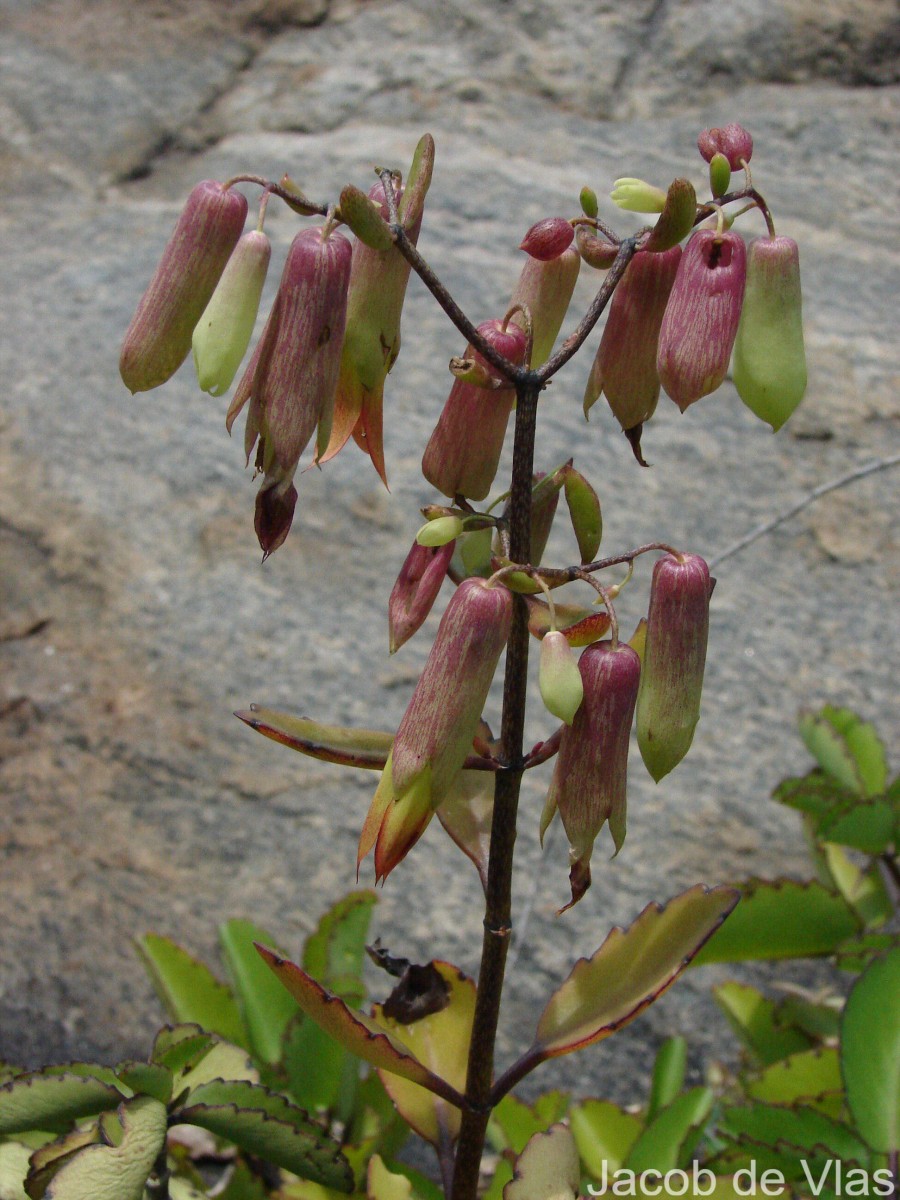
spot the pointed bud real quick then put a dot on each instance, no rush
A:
(589, 780)
(701, 318)
(719, 174)
(624, 369)
(595, 251)
(439, 532)
(364, 217)
(636, 195)
(416, 590)
(674, 657)
(275, 504)
(158, 339)
(223, 333)
(731, 140)
(676, 219)
(584, 513)
(545, 289)
(548, 238)
(463, 453)
(769, 358)
(560, 680)
(440, 723)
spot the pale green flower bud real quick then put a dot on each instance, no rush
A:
(560, 680)
(636, 195)
(440, 531)
(223, 333)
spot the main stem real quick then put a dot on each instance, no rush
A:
(498, 906)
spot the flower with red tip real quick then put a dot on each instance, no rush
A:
(732, 140)
(291, 379)
(589, 780)
(440, 723)
(158, 340)
(668, 706)
(701, 318)
(463, 452)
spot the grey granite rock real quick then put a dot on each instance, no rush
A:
(134, 612)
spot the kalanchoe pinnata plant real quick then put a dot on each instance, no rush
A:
(317, 377)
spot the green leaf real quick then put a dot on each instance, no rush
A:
(603, 1132)
(146, 1079)
(856, 954)
(815, 793)
(754, 1020)
(847, 747)
(870, 1053)
(513, 1122)
(50, 1158)
(266, 1008)
(116, 1171)
(38, 1100)
(314, 1064)
(781, 919)
(658, 1147)
(267, 1125)
(221, 1061)
(630, 970)
(13, 1169)
(383, 1184)
(188, 989)
(802, 1128)
(867, 825)
(366, 748)
(178, 1047)
(547, 1169)
(808, 1076)
(818, 1021)
(357, 1033)
(862, 888)
(668, 1074)
(335, 953)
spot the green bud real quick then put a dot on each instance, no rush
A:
(560, 681)
(769, 358)
(676, 219)
(223, 333)
(719, 174)
(364, 217)
(636, 195)
(589, 205)
(584, 512)
(440, 531)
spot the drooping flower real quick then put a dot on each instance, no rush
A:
(378, 282)
(701, 318)
(732, 140)
(158, 340)
(223, 333)
(440, 723)
(416, 589)
(292, 375)
(769, 358)
(545, 288)
(463, 452)
(624, 368)
(674, 657)
(589, 780)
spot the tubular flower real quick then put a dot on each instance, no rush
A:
(624, 369)
(416, 590)
(769, 358)
(292, 376)
(158, 340)
(545, 288)
(589, 781)
(378, 280)
(440, 723)
(701, 318)
(668, 707)
(463, 452)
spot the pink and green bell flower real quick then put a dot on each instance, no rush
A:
(769, 356)
(223, 333)
(463, 452)
(589, 780)
(545, 289)
(416, 589)
(378, 280)
(158, 340)
(624, 369)
(701, 318)
(440, 723)
(674, 657)
(292, 375)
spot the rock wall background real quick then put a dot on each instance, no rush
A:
(134, 614)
